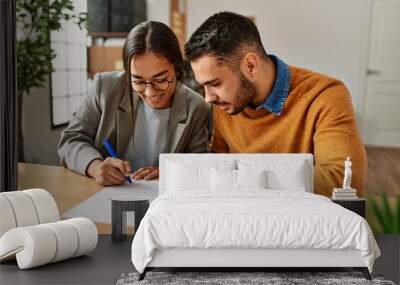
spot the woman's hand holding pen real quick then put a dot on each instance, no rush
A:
(111, 171)
(146, 173)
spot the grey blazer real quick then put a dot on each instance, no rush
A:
(109, 111)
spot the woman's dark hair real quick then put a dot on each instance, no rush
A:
(224, 34)
(154, 37)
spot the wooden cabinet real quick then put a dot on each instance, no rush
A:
(104, 58)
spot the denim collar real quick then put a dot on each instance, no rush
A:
(277, 97)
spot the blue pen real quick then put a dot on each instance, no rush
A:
(111, 152)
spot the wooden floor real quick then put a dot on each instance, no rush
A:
(383, 171)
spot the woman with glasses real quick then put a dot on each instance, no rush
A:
(142, 112)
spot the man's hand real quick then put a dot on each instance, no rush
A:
(111, 171)
(146, 173)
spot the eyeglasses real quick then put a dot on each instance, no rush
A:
(156, 84)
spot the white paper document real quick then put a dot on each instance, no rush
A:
(98, 207)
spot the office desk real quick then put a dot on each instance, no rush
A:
(68, 188)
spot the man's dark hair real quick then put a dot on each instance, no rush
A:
(154, 37)
(224, 35)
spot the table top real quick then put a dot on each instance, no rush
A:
(104, 265)
(67, 188)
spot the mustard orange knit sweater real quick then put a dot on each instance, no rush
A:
(317, 118)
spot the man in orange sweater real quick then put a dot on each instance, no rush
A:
(266, 106)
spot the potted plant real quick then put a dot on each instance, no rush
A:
(36, 19)
(386, 226)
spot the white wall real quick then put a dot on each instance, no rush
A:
(158, 10)
(69, 80)
(40, 140)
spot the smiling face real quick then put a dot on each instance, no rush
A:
(228, 89)
(151, 67)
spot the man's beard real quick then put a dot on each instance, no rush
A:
(245, 94)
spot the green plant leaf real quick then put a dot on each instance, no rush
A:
(372, 221)
(397, 223)
(385, 227)
(387, 212)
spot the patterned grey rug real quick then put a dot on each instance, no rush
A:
(231, 278)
